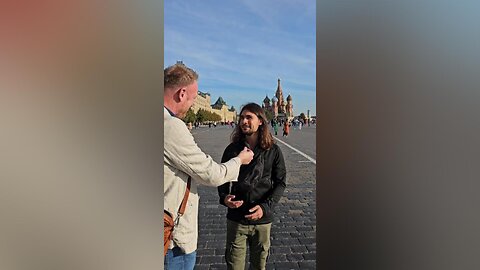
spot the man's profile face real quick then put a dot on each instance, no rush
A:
(249, 122)
(190, 96)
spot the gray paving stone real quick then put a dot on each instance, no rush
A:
(299, 249)
(276, 242)
(270, 266)
(293, 229)
(306, 241)
(279, 250)
(310, 256)
(217, 266)
(215, 244)
(286, 265)
(297, 235)
(280, 235)
(294, 257)
(304, 229)
(311, 248)
(289, 229)
(310, 223)
(277, 258)
(211, 259)
(286, 224)
(205, 251)
(290, 242)
(209, 237)
(295, 212)
(220, 251)
(307, 265)
(202, 266)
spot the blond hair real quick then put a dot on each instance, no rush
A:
(178, 75)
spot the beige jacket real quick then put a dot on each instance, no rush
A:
(182, 157)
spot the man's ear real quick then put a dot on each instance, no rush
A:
(181, 93)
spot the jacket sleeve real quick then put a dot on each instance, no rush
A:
(223, 190)
(181, 151)
(279, 179)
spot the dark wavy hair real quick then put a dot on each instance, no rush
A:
(265, 137)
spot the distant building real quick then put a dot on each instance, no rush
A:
(278, 106)
(202, 102)
(220, 107)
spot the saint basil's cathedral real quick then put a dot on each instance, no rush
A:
(279, 108)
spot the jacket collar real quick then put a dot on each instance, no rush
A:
(170, 112)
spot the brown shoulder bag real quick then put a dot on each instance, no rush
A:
(169, 224)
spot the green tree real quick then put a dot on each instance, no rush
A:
(201, 115)
(190, 116)
(208, 116)
(303, 117)
(216, 117)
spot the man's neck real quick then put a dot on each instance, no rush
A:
(169, 111)
(170, 108)
(252, 140)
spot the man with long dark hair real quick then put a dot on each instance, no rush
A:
(260, 186)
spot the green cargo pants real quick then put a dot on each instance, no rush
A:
(258, 238)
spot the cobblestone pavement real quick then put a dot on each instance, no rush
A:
(293, 230)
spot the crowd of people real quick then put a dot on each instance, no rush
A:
(275, 123)
(210, 124)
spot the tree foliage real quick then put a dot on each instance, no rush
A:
(190, 116)
(302, 116)
(204, 116)
(216, 117)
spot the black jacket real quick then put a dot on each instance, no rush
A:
(261, 182)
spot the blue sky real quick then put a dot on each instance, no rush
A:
(240, 48)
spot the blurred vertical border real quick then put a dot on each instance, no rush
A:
(81, 138)
(398, 102)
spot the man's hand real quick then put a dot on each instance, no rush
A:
(257, 213)
(232, 204)
(246, 156)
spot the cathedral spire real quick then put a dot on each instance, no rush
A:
(279, 91)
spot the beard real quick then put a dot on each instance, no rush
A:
(247, 132)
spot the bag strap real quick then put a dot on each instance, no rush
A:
(181, 209)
